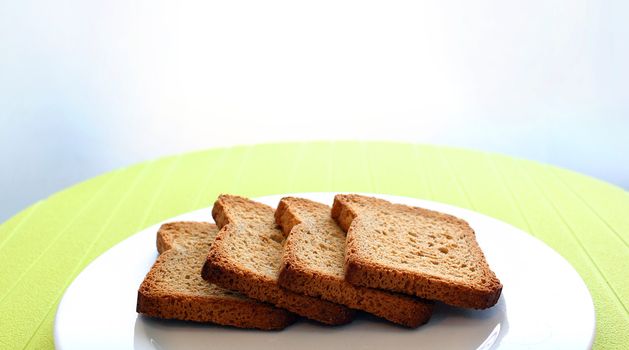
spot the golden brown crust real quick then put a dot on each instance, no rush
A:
(187, 242)
(236, 314)
(224, 271)
(365, 274)
(343, 214)
(302, 277)
(363, 271)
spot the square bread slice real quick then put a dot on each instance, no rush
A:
(313, 263)
(246, 257)
(174, 289)
(414, 251)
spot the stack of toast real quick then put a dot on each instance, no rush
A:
(260, 267)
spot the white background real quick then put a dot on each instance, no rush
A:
(89, 86)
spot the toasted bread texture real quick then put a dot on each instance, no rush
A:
(246, 257)
(313, 264)
(414, 251)
(174, 289)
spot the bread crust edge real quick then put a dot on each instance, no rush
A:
(227, 313)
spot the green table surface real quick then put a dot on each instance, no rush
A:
(43, 248)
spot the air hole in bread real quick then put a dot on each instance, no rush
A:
(277, 238)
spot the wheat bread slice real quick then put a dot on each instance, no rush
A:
(313, 263)
(174, 289)
(246, 257)
(414, 251)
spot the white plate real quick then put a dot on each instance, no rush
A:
(544, 303)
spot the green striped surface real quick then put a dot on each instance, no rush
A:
(43, 248)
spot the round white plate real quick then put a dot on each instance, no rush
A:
(544, 303)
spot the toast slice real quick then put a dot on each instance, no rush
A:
(174, 289)
(414, 251)
(246, 257)
(313, 263)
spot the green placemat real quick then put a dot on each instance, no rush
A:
(43, 248)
